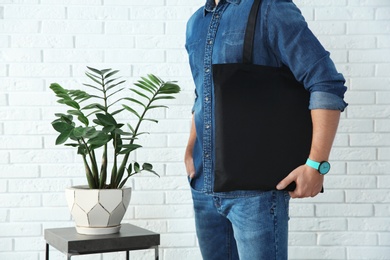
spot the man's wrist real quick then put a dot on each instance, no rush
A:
(322, 167)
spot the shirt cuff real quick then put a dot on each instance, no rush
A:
(325, 100)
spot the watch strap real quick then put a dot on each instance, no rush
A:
(313, 164)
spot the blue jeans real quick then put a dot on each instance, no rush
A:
(246, 228)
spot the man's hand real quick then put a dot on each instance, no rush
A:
(188, 159)
(189, 163)
(308, 180)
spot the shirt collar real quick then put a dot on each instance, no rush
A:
(210, 5)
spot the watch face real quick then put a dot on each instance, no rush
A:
(324, 168)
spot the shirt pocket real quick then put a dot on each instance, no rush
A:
(232, 45)
(195, 55)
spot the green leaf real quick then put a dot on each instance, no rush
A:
(79, 132)
(127, 148)
(94, 105)
(99, 140)
(75, 112)
(82, 150)
(62, 127)
(91, 86)
(119, 90)
(83, 119)
(131, 128)
(135, 101)
(155, 79)
(93, 74)
(121, 132)
(108, 128)
(97, 121)
(63, 137)
(136, 167)
(149, 83)
(104, 71)
(144, 88)
(169, 88)
(95, 70)
(79, 95)
(153, 107)
(80, 116)
(57, 89)
(140, 93)
(111, 73)
(117, 111)
(72, 145)
(114, 85)
(131, 110)
(94, 78)
(63, 118)
(72, 103)
(150, 119)
(64, 96)
(111, 80)
(106, 119)
(164, 97)
(142, 133)
(91, 132)
(118, 143)
(147, 166)
(61, 115)
(129, 169)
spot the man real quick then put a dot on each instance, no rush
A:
(253, 224)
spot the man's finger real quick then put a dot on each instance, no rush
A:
(286, 181)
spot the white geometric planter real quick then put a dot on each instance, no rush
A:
(97, 212)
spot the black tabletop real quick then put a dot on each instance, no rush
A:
(130, 237)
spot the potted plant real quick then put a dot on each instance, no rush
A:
(91, 126)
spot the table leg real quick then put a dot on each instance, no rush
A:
(47, 252)
(156, 253)
(127, 255)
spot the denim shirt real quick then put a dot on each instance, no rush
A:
(215, 35)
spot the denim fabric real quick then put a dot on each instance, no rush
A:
(246, 228)
(215, 35)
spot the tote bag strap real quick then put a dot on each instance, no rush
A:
(250, 33)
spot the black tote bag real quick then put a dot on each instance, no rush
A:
(263, 126)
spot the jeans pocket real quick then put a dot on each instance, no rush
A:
(190, 181)
(287, 203)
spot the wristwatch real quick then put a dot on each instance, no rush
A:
(322, 167)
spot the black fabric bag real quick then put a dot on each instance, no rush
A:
(263, 124)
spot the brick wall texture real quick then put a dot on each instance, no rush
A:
(45, 41)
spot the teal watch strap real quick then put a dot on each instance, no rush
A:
(322, 167)
(312, 164)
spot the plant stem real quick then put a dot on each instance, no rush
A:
(103, 169)
(90, 179)
(126, 157)
(115, 166)
(95, 171)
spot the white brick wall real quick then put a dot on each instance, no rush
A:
(42, 41)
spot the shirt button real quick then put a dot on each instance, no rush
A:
(207, 126)
(206, 99)
(207, 155)
(211, 42)
(207, 70)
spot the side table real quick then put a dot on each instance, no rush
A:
(130, 237)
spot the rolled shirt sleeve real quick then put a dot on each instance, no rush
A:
(298, 48)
